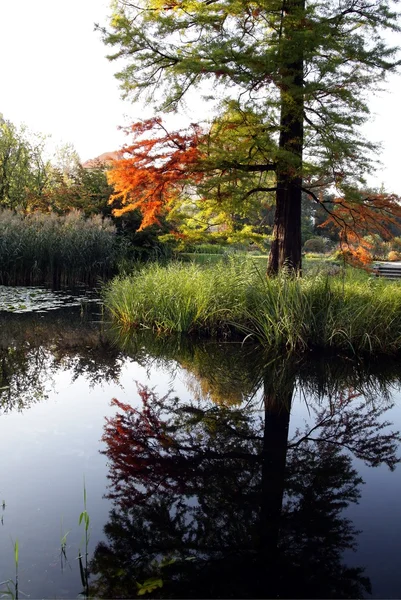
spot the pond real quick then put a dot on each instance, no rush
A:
(134, 465)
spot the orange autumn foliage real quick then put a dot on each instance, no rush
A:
(154, 169)
(153, 173)
(359, 217)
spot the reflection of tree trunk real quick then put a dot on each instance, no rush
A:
(274, 452)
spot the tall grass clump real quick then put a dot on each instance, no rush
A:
(57, 250)
(181, 297)
(356, 314)
(348, 313)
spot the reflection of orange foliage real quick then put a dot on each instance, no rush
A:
(342, 401)
(155, 169)
(142, 451)
(164, 447)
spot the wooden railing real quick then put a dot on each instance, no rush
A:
(391, 271)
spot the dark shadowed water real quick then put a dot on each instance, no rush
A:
(206, 470)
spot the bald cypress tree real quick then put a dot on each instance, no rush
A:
(303, 68)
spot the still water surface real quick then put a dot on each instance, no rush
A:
(209, 470)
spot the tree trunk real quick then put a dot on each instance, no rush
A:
(286, 245)
(285, 250)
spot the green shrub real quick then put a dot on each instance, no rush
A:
(393, 255)
(395, 244)
(316, 244)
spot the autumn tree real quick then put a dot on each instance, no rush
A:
(183, 175)
(303, 68)
(32, 181)
(151, 173)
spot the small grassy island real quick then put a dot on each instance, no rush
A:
(349, 311)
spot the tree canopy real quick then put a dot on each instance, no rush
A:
(31, 179)
(23, 168)
(294, 77)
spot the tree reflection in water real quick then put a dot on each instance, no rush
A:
(210, 495)
(217, 502)
(33, 349)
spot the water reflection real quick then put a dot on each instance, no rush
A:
(34, 348)
(211, 495)
(212, 499)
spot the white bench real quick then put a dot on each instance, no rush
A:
(389, 270)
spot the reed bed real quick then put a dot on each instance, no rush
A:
(341, 312)
(58, 250)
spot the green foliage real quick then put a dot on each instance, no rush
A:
(30, 182)
(148, 586)
(202, 259)
(146, 244)
(23, 169)
(395, 244)
(231, 202)
(316, 244)
(208, 249)
(293, 79)
(349, 312)
(81, 189)
(220, 248)
(60, 250)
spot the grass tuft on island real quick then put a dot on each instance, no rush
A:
(349, 311)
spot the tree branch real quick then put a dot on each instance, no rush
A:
(247, 168)
(259, 189)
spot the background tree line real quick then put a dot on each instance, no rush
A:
(30, 180)
(56, 223)
(170, 204)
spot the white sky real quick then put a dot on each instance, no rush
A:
(54, 77)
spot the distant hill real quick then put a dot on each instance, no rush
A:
(104, 159)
